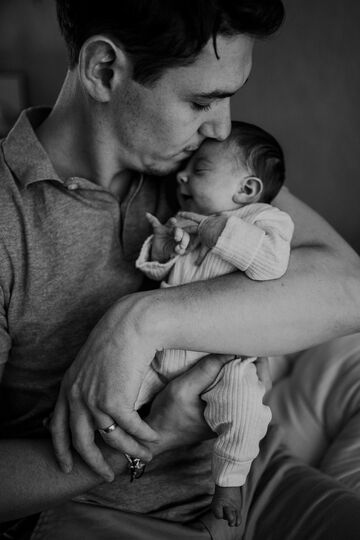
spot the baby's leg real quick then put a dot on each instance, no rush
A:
(235, 411)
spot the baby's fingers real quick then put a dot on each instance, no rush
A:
(178, 234)
(189, 226)
(183, 239)
(192, 216)
(154, 222)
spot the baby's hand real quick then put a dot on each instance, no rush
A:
(169, 239)
(226, 504)
(208, 228)
(181, 237)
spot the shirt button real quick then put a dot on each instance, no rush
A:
(72, 185)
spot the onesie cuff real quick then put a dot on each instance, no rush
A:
(229, 473)
(239, 242)
(153, 269)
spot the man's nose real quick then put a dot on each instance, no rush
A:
(218, 124)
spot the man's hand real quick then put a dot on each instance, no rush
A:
(168, 241)
(101, 387)
(263, 372)
(177, 411)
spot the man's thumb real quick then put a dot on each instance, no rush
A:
(205, 371)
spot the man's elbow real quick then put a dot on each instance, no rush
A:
(350, 284)
(343, 271)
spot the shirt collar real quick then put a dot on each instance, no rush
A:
(23, 151)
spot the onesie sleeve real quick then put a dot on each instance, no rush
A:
(153, 269)
(257, 241)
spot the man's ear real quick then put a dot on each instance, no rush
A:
(102, 65)
(249, 191)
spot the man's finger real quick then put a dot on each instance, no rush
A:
(133, 425)
(121, 441)
(118, 438)
(200, 376)
(82, 429)
(59, 428)
(264, 374)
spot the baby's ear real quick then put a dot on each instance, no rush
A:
(249, 191)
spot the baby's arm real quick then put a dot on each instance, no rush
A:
(256, 242)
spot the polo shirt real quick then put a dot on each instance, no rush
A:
(67, 253)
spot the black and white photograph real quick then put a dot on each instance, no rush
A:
(179, 270)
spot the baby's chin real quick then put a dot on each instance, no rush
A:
(187, 203)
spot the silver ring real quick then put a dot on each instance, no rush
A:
(109, 429)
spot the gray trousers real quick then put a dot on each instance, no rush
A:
(283, 499)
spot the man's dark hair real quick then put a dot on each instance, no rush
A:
(160, 34)
(262, 155)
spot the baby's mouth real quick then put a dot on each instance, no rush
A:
(184, 199)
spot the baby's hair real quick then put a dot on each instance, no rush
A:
(262, 155)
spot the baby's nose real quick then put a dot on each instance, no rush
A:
(182, 177)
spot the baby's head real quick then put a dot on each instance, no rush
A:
(247, 167)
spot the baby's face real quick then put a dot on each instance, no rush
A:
(210, 179)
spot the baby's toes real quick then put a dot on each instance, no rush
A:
(232, 516)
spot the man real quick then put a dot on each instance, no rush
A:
(147, 84)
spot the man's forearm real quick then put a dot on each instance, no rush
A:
(317, 299)
(31, 480)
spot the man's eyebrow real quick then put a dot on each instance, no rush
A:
(219, 94)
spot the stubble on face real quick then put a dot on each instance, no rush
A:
(156, 126)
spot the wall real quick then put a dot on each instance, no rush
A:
(30, 41)
(304, 88)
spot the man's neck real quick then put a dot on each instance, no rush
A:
(76, 147)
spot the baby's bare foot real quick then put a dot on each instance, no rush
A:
(226, 504)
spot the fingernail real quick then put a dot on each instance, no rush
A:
(145, 455)
(109, 477)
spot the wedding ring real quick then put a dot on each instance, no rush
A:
(109, 429)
